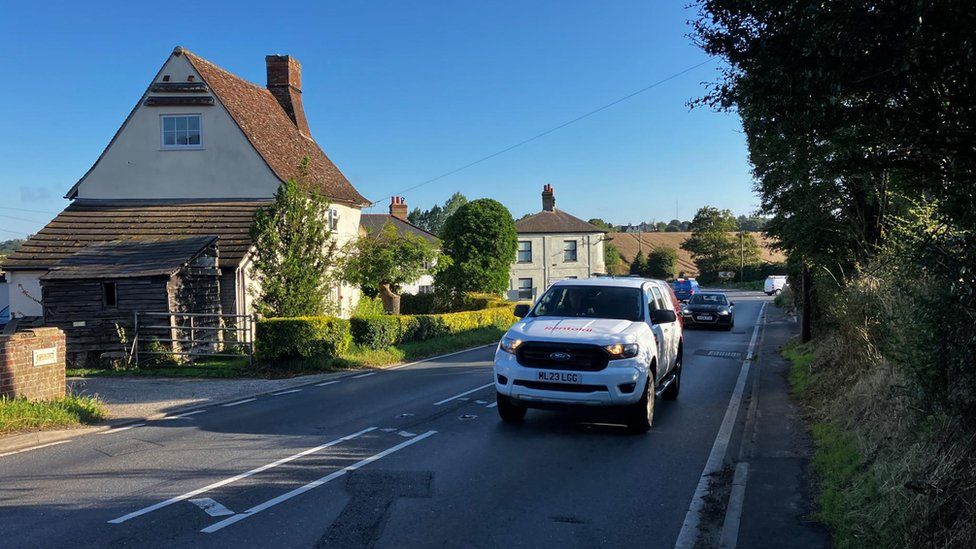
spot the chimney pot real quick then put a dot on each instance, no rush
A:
(548, 198)
(398, 207)
(285, 84)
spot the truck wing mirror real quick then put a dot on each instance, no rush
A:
(663, 316)
(522, 310)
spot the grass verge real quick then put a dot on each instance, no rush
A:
(355, 357)
(21, 415)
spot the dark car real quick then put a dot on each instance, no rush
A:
(709, 309)
(684, 288)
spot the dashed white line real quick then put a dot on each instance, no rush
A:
(492, 405)
(181, 416)
(239, 402)
(235, 478)
(211, 507)
(326, 383)
(360, 376)
(35, 447)
(406, 434)
(288, 392)
(120, 429)
(440, 356)
(464, 394)
(312, 485)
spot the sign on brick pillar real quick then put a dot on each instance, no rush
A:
(32, 364)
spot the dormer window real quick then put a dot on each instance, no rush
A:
(181, 131)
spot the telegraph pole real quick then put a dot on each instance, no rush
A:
(742, 256)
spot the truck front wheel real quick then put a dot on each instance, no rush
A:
(508, 410)
(640, 414)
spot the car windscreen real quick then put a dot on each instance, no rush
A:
(709, 299)
(591, 302)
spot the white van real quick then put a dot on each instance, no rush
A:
(775, 284)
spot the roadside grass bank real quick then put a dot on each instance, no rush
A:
(354, 357)
(891, 474)
(21, 415)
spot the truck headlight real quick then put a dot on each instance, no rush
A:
(509, 344)
(623, 350)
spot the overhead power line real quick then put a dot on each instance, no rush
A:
(26, 210)
(555, 128)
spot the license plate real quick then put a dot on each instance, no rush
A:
(560, 377)
(705, 317)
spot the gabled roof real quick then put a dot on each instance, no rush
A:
(374, 223)
(131, 258)
(270, 131)
(555, 221)
(90, 222)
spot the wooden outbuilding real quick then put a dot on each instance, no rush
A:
(94, 294)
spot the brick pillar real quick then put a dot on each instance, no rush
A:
(32, 364)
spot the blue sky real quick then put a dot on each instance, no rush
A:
(396, 93)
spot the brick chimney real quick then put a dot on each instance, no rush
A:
(548, 198)
(285, 84)
(398, 207)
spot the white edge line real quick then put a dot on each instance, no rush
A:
(397, 367)
(180, 416)
(312, 485)
(35, 447)
(119, 429)
(364, 375)
(689, 528)
(288, 392)
(235, 403)
(235, 478)
(327, 383)
(455, 397)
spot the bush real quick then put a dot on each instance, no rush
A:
(302, 337)
(378, 332)
(447, 302)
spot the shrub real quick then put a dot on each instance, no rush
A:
(378, 332)
(375, 332)
(302, 337)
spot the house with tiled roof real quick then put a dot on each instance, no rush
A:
(553, 245)
(199, 153)
(374, 223)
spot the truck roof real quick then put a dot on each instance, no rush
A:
(616, 282)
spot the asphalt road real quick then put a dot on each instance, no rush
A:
(413, 457)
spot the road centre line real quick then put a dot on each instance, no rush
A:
(492, 405)
(466, 393)
(235, 478)
(245, 401)
(364, 375)
(288, 392)
(689, 528)
(333, 382)
(397, 367)
(181, 416)
(119, 429)
(312, 485)
(35, 447)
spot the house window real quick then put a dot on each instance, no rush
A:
(425, 289)
(181, 131)
(333, 219)
(110, 295)
(525, 288)
(569, 250)
(524, 251)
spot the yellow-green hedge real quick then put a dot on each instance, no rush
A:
(380, 331)
(301, 337)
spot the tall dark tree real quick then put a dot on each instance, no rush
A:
(433, 220)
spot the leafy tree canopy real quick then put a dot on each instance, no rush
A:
(481, 240)
(662, 263)
(433, 220)
(715, 247)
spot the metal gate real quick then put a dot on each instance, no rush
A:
(192, 335)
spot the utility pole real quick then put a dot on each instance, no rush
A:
(742, 256)
(806, 332)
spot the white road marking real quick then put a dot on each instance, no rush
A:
(440, 356)
(119, 429)
(406, 434)
(481, 402)
(235, 478)
(288, 392)
(245, 401)
(492, 405)
(364, 375)
(388, 429)
(312, 485)
(35, 447)
(466, 393)
(689, 529)
(181, 416)
(327, 383)
(211, 507)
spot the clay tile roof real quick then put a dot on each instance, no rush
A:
(375, 222)
(555, 221)
(90, 222)
(134, 257)
(273, 134)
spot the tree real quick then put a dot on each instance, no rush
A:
(611, 257)
(387, 260)
(662, 263)
(481, 241)
(606, 226)
(294, 253)
(660, 226)
(713, 244)
(433, 220)
(639, 265)
(752, 223)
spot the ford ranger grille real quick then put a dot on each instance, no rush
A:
(562, 356)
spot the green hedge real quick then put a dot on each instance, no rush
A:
(302, 337)
(442, 302)
(378, 332)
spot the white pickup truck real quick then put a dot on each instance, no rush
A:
(601, 342)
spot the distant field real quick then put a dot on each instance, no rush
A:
(628, 244)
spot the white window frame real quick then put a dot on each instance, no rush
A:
(519, 251)
(333, 219)
(575, 251)
(162, 132)
(521, 289)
